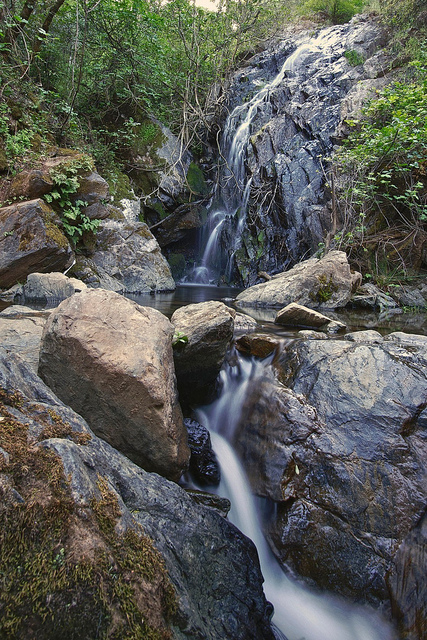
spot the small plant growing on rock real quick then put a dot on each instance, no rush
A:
(354, 58)
(66, 184)
(179, 340)
(326, 289)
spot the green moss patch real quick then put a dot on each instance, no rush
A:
(65, 572)
(196, 180)
(326, 289)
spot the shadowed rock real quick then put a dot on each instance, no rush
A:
(208, 327)
(30, 240)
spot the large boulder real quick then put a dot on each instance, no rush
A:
(30, 240)
(208, 329)
(126, 258)
(48, 287)
(325, 283)
(339, 443)
(21, 331)
(37, 181)
(112, 509)
(111, 360)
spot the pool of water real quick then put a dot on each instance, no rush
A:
(384, 322)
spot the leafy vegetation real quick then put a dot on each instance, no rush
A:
(382, 172)
(334, 11)
(66, 183)
(354, 57)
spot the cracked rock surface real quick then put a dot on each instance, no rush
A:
(338, 439)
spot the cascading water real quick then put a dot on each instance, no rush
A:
(272, 147)
(299, 614)
(228, 217)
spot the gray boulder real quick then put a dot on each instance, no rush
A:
(341, 451)
(213, 568)
(31, 240)
(111, 361)
(244, 323)
(296, 315)
(368, 296)
(45, 287)
(413, 297)
(325, 283)
(21, 331)
(208, 327)
(126, 258)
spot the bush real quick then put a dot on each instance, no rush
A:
(335, 11)
(382, 168)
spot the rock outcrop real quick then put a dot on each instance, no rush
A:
(48, 287)
(212, 568)
(111, 361)
(126, 258)
(36, 182)
(338, 443)
(21, 331)
(208, 328)
(31, 240)
(290, 99)
(122, 256)
(296, 315)
(317, 283)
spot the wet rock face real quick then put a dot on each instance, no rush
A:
(203, 463)
(111, 361)
(292, 133)
(339, 444)
(213, 567)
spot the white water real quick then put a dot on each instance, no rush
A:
(299, 614)
(226, 220)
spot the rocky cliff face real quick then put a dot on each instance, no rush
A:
(284, 114)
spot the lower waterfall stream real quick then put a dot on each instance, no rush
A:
(299, 613)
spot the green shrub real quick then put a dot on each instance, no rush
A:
(66, 184)
(354, 57)
(335, 11)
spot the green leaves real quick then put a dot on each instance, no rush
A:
(71, 211)
(388, 150)
(179, 340)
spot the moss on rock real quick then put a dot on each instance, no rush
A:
(177, 264)
(65, 570)
(196, 180)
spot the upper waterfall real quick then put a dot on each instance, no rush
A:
(270, 207)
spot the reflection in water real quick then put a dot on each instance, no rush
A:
(384, 322)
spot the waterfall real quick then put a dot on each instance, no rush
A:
(273, 147)
(299, 614)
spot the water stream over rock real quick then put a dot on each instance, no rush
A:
(272, 205)
(299, 613)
